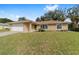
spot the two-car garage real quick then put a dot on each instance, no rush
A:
(20, 26)
(17, 27)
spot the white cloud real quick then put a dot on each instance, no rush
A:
(51, 7)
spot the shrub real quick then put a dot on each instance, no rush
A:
(41, 30)
(7, 29)
(76, 29)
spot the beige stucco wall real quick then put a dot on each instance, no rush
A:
(26, 27)
(53, 27)
(50, 27)
(65, 27)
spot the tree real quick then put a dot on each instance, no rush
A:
(73, 13)
(37, 19)
(22, 19)
(42, 18)
(5, 20)
(53, 15)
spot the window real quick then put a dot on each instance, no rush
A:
(59, 26)
(44, 26)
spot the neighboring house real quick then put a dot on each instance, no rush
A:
(31, 26)
(4, 26)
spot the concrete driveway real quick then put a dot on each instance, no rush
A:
(6, 33)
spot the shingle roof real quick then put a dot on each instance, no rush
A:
(41, 22)
(50, 22)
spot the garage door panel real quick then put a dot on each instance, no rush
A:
(17, 27)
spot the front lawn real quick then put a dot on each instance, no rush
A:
(44, 43)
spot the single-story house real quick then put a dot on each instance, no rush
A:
(31, 26)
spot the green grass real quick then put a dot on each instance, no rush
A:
(44, 43)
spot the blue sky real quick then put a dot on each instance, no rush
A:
(30, 11)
